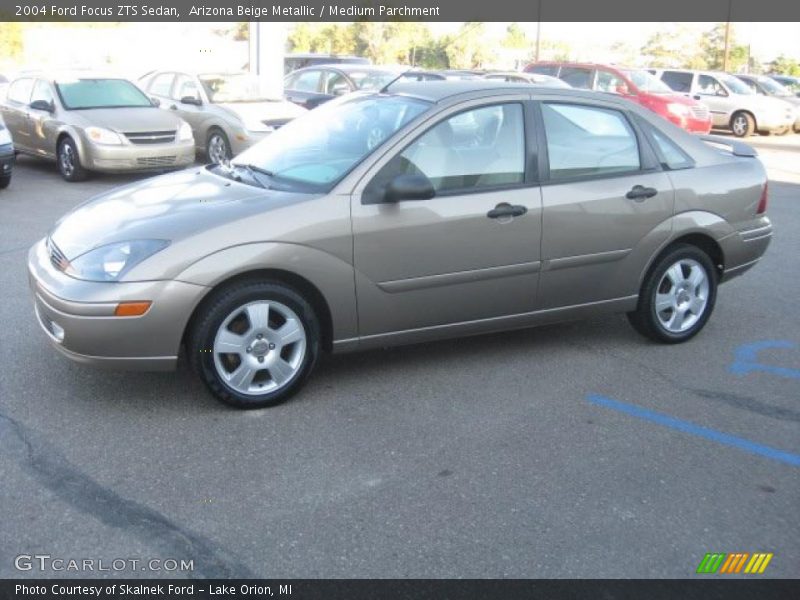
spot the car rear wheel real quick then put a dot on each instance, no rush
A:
(5, 182)
(254, 344)
(677, 297)
(742, 124)
(218, 148)
(69, 164)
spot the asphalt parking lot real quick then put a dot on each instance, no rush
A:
(574, 450)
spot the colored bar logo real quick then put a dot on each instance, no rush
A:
(734, 562)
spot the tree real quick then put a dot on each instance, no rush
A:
(784, 66)
(466, 49)
(673, 47)
(713, 48)
(516, 38)
(11, 40)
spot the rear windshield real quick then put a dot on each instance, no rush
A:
(100, 93)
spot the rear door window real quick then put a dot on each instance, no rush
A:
(577, 77)
(680, 82)
(588, 141)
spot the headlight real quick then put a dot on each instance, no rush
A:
(679, 110)
(185, 133)
(112, 261)
(98, 135)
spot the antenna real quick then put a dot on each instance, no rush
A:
(385, 88)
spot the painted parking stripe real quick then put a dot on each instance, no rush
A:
(746, 360)
(698, 430)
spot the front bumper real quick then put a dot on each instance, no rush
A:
(138, 157)
(78, 316)
(775, 122)
(242, 141)
(7, 162)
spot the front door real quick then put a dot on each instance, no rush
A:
(42, 124)
(469, 253)
(717, 98)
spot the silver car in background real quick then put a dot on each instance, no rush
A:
(767, 86)
(431, 210)
(93, 123)
(228, 112)
(733, 105)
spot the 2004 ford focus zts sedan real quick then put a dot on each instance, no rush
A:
(431, 210)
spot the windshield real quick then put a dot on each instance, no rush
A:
(100, 93)
(736, 85)
(313, 152)
(773, 87)
(648, 83)
(237, 87)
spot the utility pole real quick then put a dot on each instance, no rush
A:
(726, 60)
(538, 40)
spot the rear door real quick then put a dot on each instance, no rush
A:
(605, 203)
(469, 253)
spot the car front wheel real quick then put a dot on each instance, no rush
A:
(742, 124)
(254, 344)
(5, 182)
(69, 164)
(218, 148)
(677, 296)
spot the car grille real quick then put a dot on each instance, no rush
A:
(699, 111)
(156, 161)
(57, 257)
(275, 123)
(150, 137)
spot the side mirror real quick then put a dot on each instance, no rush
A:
(721, 92)
(409, 187)
(155, 101)
(43, 105)
(340, 89)
(191, 100)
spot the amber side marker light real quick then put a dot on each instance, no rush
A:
(131, 309)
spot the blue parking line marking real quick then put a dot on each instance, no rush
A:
(746, 359)
(698, 430)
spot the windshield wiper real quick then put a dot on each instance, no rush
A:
(254, 169)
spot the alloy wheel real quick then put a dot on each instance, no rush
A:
(740, 125)
(67, 159)
(259, 347)
(218, 149)
(682, 296)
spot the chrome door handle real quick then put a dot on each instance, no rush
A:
(639, 192)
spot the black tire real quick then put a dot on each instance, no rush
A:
(5, 182)
(742, 124)
(212, 315)
(218, 146)
(646, 321)
(69, 163)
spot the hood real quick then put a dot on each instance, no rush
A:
(766, 103)
(264, 111)
(673, 98)
(170, 207)
(145, 118)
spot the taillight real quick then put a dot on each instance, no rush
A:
(762, 203)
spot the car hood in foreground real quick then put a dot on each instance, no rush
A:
(139, 119)
(170, 207)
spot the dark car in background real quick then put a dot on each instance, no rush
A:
(793, 83)
(636, 85)
(313, 86)
(6, 155)
(292, 62)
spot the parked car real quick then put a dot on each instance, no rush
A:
(793, 83)
(636, 85)
(767, 86)
(6, 155)
(228, 112)
(733, 105)
(414, 214)
(313, 86)
(532, 78)
(94, 123)
(292, 62)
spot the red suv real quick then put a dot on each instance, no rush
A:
(635, 84)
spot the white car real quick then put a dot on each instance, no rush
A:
(732, 103)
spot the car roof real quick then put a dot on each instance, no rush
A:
(360, 68)
(437, 91)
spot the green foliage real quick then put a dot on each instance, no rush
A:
(10, 40)
(516, 38)
(784, 66)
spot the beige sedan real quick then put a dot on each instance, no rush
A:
(427, 211)
(89, 123)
